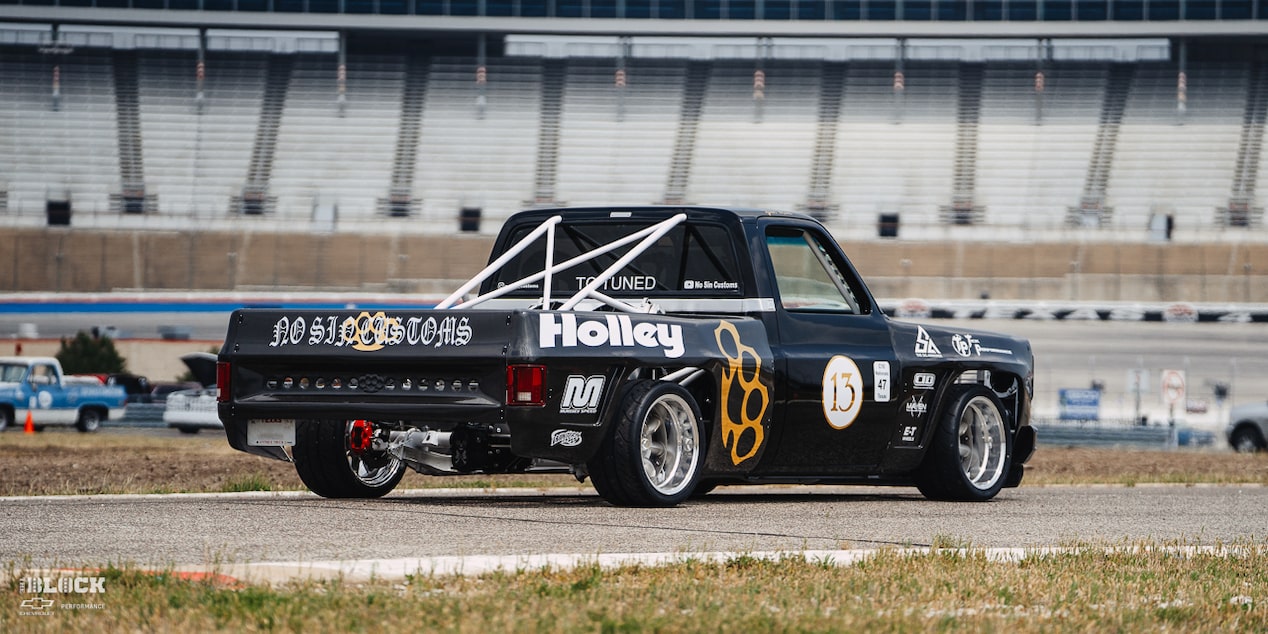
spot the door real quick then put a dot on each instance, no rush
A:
(835, 358)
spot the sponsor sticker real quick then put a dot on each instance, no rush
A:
(966, 345)
(924, 380)
(842, 392)
(925, 347)
(709, 285)
(370, 332)
(621, 283)
(615, 331)
(565, 438)
(916, 406)
(744, 396)
(910, 433)
(582, 394)
(880, 377)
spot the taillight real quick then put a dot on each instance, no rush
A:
(222, 381)
(526, 385)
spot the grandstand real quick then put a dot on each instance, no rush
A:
(1126, 142)
(561, 131)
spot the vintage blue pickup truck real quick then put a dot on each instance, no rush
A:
(657, 351)
(37, 386)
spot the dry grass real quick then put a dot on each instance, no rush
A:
(1143, 588)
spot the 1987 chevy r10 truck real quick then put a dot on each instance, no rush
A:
(659, 351)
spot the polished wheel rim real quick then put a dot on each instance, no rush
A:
(372, 468)
(668, 444)
(982, 443)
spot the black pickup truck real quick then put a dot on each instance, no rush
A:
(659, 351)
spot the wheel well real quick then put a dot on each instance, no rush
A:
(1252, 426)
(1006, 386)
(100, 409)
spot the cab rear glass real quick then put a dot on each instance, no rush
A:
(690, 260)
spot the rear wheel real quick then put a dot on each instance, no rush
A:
(654, 452)
(971, 450)
(89, 420)
(187, 430)
(6, 419)
(337, 459)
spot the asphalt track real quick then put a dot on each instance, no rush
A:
(185, 531)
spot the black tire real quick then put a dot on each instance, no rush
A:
(664, 470)
(964, 462)
(187, 430)
(89, 420)
(6, 419)
(329, 469)
(1246, 440)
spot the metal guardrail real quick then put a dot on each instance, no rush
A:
(1096, 434)
(140, 415)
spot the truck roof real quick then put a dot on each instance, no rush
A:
(651, 212)
(29, 360)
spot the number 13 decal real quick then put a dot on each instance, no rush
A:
(842, 392)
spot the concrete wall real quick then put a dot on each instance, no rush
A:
(56, 259)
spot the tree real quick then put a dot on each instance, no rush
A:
(86, 354)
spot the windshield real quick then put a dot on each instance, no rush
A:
(11, 372)
(692, 259)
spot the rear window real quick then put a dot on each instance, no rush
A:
(692, 259)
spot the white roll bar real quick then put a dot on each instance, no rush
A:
(648, 235)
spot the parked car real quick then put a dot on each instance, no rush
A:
(193, 409)
(1247, 429)
(160, 391)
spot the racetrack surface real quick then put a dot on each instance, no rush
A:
(183, 530)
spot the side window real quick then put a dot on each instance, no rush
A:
(807, 278)
(42, 374)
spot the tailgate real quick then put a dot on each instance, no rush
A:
(402, 365)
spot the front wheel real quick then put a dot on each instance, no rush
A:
(971, 450)
(337, 459)
(6, 419)
(654, 452)
(89, 420)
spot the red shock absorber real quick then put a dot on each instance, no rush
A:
(360, 436)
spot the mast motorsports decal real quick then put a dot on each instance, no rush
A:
(748, 403)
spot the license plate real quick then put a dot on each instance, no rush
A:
(271, 432)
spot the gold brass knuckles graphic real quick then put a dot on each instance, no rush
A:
(751, 385)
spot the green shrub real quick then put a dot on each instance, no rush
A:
(86, 354)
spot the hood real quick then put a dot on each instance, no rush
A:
(203, 367)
